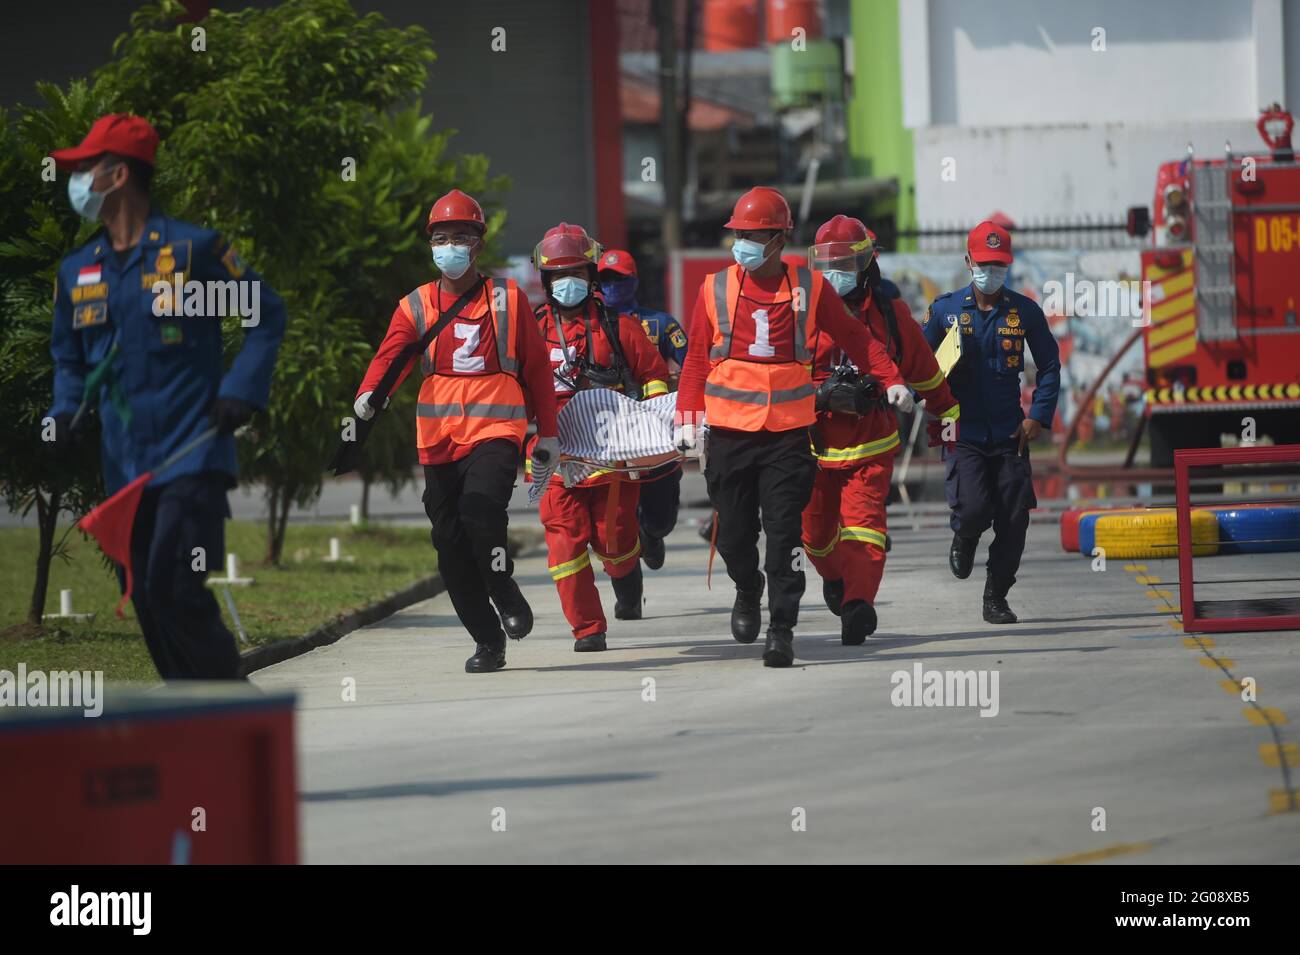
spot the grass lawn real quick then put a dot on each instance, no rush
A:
(282, 603)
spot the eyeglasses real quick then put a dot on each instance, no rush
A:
(460, 238)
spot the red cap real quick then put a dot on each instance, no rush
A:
(456, 206)
(989, 242)
(618, 260)
(117, 133)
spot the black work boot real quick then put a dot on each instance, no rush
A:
(593, 643)
(996, 609)
(487, 656)
(627, 596)
(516, 615)
(857, 623)
(747, 613)
(652, 550)
(961, 555)
(833, 594)
(779, 651)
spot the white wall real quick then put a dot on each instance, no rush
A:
(1040, 124)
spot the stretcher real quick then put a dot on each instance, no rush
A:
(603, 431)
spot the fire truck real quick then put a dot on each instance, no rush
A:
(1223, 343)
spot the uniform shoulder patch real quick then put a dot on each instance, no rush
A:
(230, 259)
(677, 337)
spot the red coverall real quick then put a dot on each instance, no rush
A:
(844, 523)
(599, 512)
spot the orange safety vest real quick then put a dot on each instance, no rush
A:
(483, 399)
(746, 394)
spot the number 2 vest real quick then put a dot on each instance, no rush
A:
(759, 381)
(471, 391)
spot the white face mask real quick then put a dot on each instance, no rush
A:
(570, 290)
(988, 278)
(85, 200)
(749, 254)
(843, 282)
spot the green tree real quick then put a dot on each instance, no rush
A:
(382, 255)
(39, 228)
(262, 132)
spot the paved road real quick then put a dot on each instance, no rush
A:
(1101, 706)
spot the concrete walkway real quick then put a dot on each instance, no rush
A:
(565, 758)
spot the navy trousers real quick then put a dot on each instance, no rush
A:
(991, 485)
(178, 614)
(657, 506)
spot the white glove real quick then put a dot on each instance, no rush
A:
(686, 438)
(362, 406)
(900, 397)
(546, 452)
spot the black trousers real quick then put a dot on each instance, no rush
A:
(991, 485)
(762, 480)
(467, 503)
(657, 506)
(178, 614)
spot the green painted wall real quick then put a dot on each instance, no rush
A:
(879, 144)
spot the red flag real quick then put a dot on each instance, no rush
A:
(110, 524)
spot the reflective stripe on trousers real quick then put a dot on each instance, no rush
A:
(425, 410)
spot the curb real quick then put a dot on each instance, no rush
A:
(338, 628)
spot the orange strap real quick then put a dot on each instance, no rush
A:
(713, 546)
(611, 516)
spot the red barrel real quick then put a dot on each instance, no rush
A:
(730, 25)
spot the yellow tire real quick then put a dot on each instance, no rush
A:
(1152, 533)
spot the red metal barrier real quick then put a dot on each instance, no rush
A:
(133, 784)
(1214, 616)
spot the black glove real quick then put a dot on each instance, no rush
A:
(65, 440)
(230, 414)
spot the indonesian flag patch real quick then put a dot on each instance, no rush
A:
(89, 275)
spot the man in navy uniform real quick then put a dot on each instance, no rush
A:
(660, 496)
(161, 384)
(987, 473)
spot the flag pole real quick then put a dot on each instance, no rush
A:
(186, 449)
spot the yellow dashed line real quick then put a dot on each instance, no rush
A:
(1231, 686)
(1124, 848)
(1176, 624)
(1159, 594)
(1265, 715)
(1135, 567)
(1282, 800)
(1146, 579)
(1214, 663)
(1198, 643)
(1274, 755)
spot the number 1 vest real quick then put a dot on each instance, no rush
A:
(476, 396)
(754, 383)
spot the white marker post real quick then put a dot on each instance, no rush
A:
(65, 609)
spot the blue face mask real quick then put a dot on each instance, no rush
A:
(570, 291)
(85, 200)
(988, 278)
(842, 282)
(620, 294)
(749, 254)
(452, 260)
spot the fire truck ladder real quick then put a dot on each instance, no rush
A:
(1213, 251)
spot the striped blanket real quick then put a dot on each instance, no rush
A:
(601, 426)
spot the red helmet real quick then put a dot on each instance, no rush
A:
(761, 208)
(842, 243)
(565, 246)
(455, 206)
